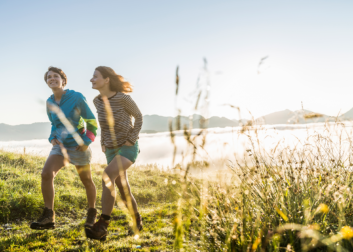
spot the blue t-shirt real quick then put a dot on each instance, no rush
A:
(68, 119)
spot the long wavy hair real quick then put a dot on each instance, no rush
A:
(116, 82)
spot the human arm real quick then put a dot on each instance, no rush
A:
(96, 104)
(131, 107)
(52, 137)
(91, 123)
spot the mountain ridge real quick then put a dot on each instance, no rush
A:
(155, 123)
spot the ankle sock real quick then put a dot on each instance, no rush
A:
(105, 217)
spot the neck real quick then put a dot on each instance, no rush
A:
(106, 92)
(58, 93)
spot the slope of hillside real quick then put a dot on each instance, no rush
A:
(151, 124)
(156, 123)
(302, 116)
(24, 131)
(280, 117)
(348, 115)
(221, 122)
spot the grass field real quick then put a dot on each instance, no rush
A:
(284, 199)
(21, 202)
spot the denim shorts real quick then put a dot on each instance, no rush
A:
(75, 157)
(129, 152)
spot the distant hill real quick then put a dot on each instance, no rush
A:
(156, 123)
(24, 131)
(161, 123)
(294, 117)
(280, 117)
(348, 115)
(151, 124)
(221, 122)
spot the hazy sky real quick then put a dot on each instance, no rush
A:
(309, 44)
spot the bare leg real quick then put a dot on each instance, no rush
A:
(52, 166)
(116, 168)
(120, 181)
(85, 175)
(115, 172)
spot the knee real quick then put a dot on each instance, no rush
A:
(108, 176)
(48, 175)
(118, 182)
(107, 182)
(121, 181)
(87, 181)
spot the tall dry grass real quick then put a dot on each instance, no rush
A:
(291, 198)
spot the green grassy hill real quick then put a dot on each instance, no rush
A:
(21, 202)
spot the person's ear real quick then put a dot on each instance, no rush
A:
(106, 80)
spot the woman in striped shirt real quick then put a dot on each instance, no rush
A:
(119, 143)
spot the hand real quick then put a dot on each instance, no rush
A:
(127, 143)
(82, 148)
(103, 148)
(55, 142)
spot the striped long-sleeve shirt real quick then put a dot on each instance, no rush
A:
(123, 109)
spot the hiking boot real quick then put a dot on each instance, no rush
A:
(99, 231)
(139, 224)
(46, 221)
(91, 217)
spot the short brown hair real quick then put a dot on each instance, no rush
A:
(117, 82)
(58, 71)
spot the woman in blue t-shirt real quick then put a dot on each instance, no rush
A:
(67, 111)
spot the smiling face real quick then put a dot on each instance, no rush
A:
(54, 80)
(98, 81)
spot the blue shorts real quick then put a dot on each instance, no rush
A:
(75, 157)
(129, 152)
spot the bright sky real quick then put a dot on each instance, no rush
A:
(309, 44)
